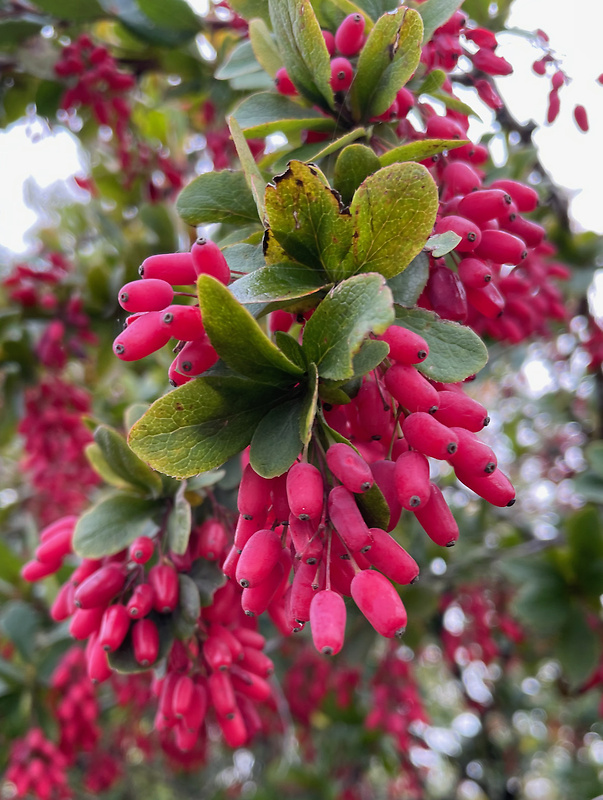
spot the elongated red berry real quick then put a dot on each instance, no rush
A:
(327, 621)
(222, 694)
(411, 478)
(346, 518)
(436, 519)
(144, 336)
(196, 357)
(233, 729)
(411, 389)
(524, 197)
(486, 61)
(259, 557)
(305, 491)
(175, 268)
(193, 717)
(256, 599)
(425, 434)
(183, 322)
(145, 642)
(581, 118)
(531, 232)
(97, 665)
(349, 36)
(142, 549)
(472, 455)
(459, 178)
(496, 488)
(383, 472)
(484, 204)
(379, 602)
(329, 42)
(391, 558)
(488, 300)
(284, 84)
(253, 498)
(342, 74)
(212, 540)
(150, 295)
(114, 627)
(230, 640)
(249, 684)
(306, 539)
(100, 587)
(257, 662)
(209, 260)
(405, 345)
(474, 273)
(141, 601)
(63, 606)
(349, 467)
(300, 593)
(183, 696)
(85, 622)
(217, 653)
(458, 410)
(468, 230)
(163, 579)
(501, 247)
(447, 294)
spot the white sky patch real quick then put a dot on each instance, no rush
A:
(539, 377)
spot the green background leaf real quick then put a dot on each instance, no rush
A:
(407, 286)
(217, 197)
(276, 442)
(354, 165)
(113, 523)
(267, 112)
(277, 282)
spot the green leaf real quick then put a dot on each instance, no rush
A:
(178, 525)
(15, 31)
(240, 61)
(254, 178)
(71, 10)
(419, 151)
(264, 47)
(99, 464)
(10, 564)
(594, 455)
(543, 605)
(373, 507)
(304, 50)
(124, 463)
(20, 623)
(435, 13)
(122, 660)
(276, 442)
(113, 523)
(291, 348)
(244, 257)
(388, 59)
(200, 425)
(442, 243)
(248, 9)
(208, 578)
(238, 338)
(335, 332)
(189, 607)
(578, 648)
(133, 413)
(174, 15)
(585, 543)
(376, 8)
(278, 282)
(310, 406)
(455, 351)
(354, 165)
(455, 104)
(305, 219)
(394, 212)
(314, 152)
(143, 22)
(407, 286)
(268, 112)
(371, 354)
(433, 81)
(217, 197)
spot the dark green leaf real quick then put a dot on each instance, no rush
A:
(433, 81)
(578, 648)
(256, 183)
(174, 15)
(310, 406)
(585, 543)
(189, 607)
(240, 61)
(304, 217)
(594, 455)
(455, 104)
(15, 31)
(371, 354)
(113, 524)
(374, 508)
(331, 13)
(314, 152)
(435, 13)
(455, 351)
(144, 25)
(71, 10)
(393, 212)
(244, 257)
(291, 348)
(217, 197)
(276, 442)
(178, 525)
(407, 286)
(268, 112)
(376, 8)
(238, 338)
(336, 330)
(387, 60)
(124, 463)
(20, 622)
(353, 165)
(9, 673)
(278, 282)
(419, 151)
(123, 660)
(442, 243)
(200, 425)
(99, 464)
(10, 565)
(304, 50)
(208, 578)
(248, 9)
(264, 47)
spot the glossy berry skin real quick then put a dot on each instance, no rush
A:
(524, 197)
(411, 389)
(405, 345)
(425, 434)
(495, 488)
(212, 540)
(100, 587)
(411, 479)
(222, 694)
(458, 410)
(196, 357)
(259, 557)
(437, 520)
(468, 230)
(472, 456)
(145, 642)
(145, 335)
(141, 549)
(484, 204)
(329, 42)
(346, 518)
(383, 472)
(349, 467)
(474, 273)
(175, 268)
(114, 627)
(349, 36)
(305, 491)
(150, 295)
(342, 74)
(327, 621)
(501, 247)
(141, 601)
(447, 294)
(581, 118)
(488, 300)
(183, 696)
(284, 84)
(379, 602)
(253, 497)
(391, 558)
(209, 260)
(163, 579)
(183, 322)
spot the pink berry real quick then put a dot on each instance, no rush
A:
(342, 74)
(150, 295)
(379, 602)
(349, 36)
(208, 260)
(327, 621)
(284, 84)
(175, 268)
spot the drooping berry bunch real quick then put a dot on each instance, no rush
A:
(37, 768)
(121, 602)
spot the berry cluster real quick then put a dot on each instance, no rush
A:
(219, 144)
(308, 520)
(37, 768)
(55, 439)
(155, 318)
(120, 602)
(76, 707)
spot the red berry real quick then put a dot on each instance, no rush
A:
(391, 558)
(141, 601)
(349, 467)
(145, 642)
(183, 322)
(459, 178)
(208, 260)
(114, 627)
(100, 587)
(150, 295)
(554, 107)
(145, 335)
(437, 520)
(411, 389)
(212, 540)
(327, 621)
(259, 557)
(342, 74)
(384, 471)
(183, 695)
(85, 622)
(447, 294)
(469, 232)
(175, 268)
(305, 491)
(581, 118)
(142, 549)
(488, 300)
(329, 42)
(524, 197)
(411, 478)
(486, 61)
(36, 570)
(405, 345)
(254, 494)
(222, 694)
(501, 247)
(284, 84)
(484, 204)
(97, 665)
(458, 410)
(379, 602)
(349, 36)
(163, 580)
(472, 456)
(256, 599)
(217, 653)
(496, 488)
(474, 273)
(196, 357)
(425, 434)
(346, 518)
